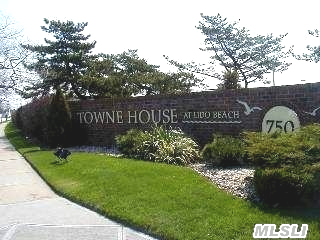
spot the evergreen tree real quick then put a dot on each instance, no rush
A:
(61, 62)
(235, 48)
(59, 123)
(127, 74)
(66, 62)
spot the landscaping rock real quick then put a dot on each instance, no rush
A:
(235, 180)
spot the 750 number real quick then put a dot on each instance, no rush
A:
(286, 126)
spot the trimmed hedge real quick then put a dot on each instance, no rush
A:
(31, 119)
(289, 186)
(284, 186)
(47, 121)
(284, 149)
(311, 195)
(288, 166)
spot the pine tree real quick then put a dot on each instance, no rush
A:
(235, 48)
(61, 62)
(127, 74)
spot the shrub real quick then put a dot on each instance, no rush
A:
(170, 146)
(312, 187)
(284, 186)
(159, 145)
(288, 165)
(31, 118)
(47, 120)
(289, 186)
(17, 119)
(128, 143)
(284, 149)
(224, 151)
(309, 137)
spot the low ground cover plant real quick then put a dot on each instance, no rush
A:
(159, 145)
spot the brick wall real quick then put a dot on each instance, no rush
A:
(198, 114)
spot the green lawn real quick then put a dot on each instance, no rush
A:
(167, 201)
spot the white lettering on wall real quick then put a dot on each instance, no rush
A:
(158, 116)
(80, 114)
(109, 117)
(174, 116)
(211, 117)
(99, 116)
(88, 117)
(144, 118)
(119, 117)
(132, 117)
(166, 116)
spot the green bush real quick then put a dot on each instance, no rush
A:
(288, 165)
(224, 151)
(16, 118)
(289, 186)
(284, 149)
(159, 145)
(309, 136)
(284, 186)
(312, 187)
(47, 121)
(128, 143)
(31, 119)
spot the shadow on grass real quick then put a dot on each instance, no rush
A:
(58, 162)
(297, 212)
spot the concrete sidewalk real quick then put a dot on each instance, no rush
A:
(29, 209)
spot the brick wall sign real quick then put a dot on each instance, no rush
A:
(283, 108)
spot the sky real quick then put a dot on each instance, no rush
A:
(168, 27)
